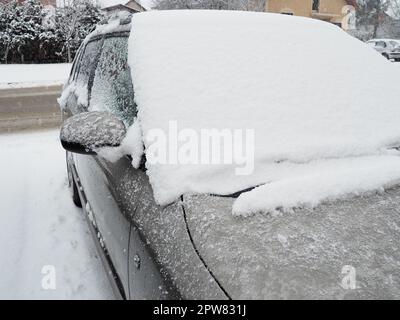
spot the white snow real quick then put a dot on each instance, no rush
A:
(131, 145)
(309, 91)
(40, 226)
(28, 75)
(115, 23)
(79, 90)
(323, 181)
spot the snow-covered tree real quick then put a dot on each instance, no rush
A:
(395, 8)
(26, 36)
(371, 14)
(20, 26)
(246, 5)
(74, 22)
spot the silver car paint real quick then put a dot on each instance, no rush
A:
(301, 255)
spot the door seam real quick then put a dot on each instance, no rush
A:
(199, 255)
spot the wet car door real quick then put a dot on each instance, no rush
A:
(109, 92)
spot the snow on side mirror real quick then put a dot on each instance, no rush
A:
(88, 131)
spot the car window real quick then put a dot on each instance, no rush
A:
(74, 67)
(88, 60)
(381, 44)
(75, 64)
(112, 85)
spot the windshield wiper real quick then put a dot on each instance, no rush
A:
(236, 194)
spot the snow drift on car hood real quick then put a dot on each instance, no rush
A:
(310, 93)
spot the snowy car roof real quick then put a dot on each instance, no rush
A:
(118, 22)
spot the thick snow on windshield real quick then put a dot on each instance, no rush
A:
(309, 92)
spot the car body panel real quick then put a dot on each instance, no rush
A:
(96, 177)
(164, 231)
(306, 254)
(115, 282)
(169, 266)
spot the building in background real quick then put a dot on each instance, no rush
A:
(49, 2)
(130, 6)
(339, 12)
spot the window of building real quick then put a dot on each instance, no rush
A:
(315, 5)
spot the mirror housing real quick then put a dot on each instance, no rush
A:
(86, 132)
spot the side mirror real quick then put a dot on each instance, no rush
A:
(88, 131)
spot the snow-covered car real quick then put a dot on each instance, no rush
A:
(389, 48)
(313, 211)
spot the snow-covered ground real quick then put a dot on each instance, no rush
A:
(28, 75)
(41, 229)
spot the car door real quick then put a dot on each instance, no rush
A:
(110, 90)
(99, 201)
(113, 92)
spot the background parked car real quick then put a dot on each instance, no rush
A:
(389, 48)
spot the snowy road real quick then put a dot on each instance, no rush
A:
(29, 108)
(32, 75)
(40, 229)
